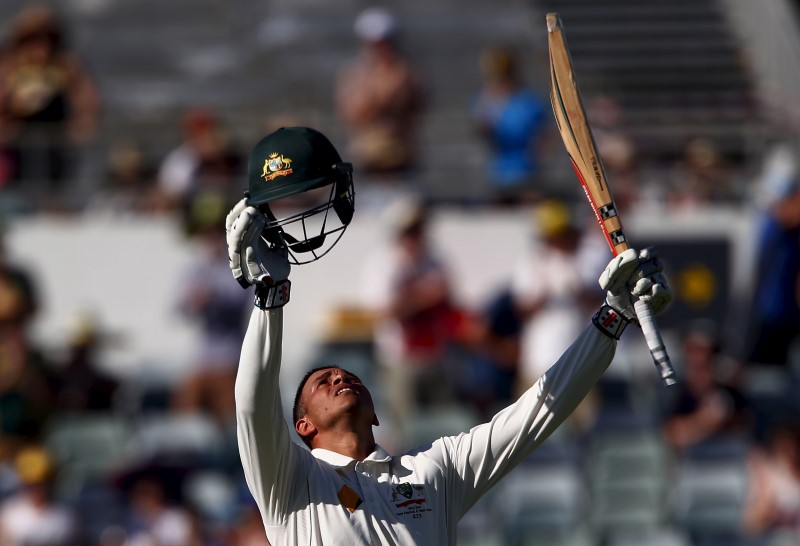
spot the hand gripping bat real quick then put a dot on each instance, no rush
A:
(579, 142)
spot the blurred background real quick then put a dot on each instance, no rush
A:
(125, 129)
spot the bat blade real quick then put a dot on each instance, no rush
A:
(579, 142)
(576, 133)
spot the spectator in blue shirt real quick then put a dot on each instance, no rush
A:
(511, 119)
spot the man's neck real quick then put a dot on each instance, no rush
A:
(350, 444)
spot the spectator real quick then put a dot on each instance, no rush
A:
(773, 500)
(204, 162)
(25, 387)
(702, 178)
(494, 338)
(81, 385)
(775, 309)
(707, 404)
(154, 520)
(619, 152)
(248, 529)
(380, 100)
(25, 379)
(512, 120)
(131, 179)
(551, 289)
(218, 306)
(410, 290)
(18, 294)
(31, 517)
(48, 102)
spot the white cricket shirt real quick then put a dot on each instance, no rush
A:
(321, 497)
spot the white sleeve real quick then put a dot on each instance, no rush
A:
(271, 461)
(476, 461)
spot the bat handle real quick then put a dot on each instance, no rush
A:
(653, 337)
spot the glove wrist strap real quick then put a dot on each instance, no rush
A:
(610, 321)
(269, 297)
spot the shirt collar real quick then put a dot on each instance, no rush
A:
(379, 455)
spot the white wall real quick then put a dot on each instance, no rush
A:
(126, 271)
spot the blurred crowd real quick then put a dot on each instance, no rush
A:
(86, 458)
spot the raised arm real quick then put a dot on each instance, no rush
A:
(270, 459)
(475, 461)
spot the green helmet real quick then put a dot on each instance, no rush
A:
(294, 160)
(289, 161)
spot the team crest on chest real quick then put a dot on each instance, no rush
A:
(410, 500)
(276, 165)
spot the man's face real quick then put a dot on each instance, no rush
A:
(333, 393)
(379, 50)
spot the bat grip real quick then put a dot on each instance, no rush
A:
(653, 337)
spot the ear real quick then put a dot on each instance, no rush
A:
(305, 428)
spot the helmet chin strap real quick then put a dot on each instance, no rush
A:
(305, 246)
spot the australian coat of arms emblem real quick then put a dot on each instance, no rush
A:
(276, 165)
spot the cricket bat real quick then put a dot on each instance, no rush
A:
(579, 142)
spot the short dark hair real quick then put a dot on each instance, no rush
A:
(298, 409)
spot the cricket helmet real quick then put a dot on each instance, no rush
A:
(293, 161)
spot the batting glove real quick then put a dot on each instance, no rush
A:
(631, 276)
(253, 261)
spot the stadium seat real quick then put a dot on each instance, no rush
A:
(212, 494)
(656, 537)
(560, 447)
(628, 456)
(726, 448)
(575, 537)
(439, 421)
(87, 447)
(192, 434)
(99, 507)
(478, 527)
(138, 397)
(628, 475)
(465, 539)
(546, 499)
(709, 497)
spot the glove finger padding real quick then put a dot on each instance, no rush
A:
(653, 290)
(275, 261)
(650, 283)
(618, 271)
(616, 278)
(230, 220)
(252, 259)
(250, 237)
(266, 265)
(234, 214)
(237, 231)
(649, 264)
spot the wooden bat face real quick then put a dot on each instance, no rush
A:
(577, 136)
(571, 118)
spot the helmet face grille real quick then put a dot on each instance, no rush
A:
(311, 233)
